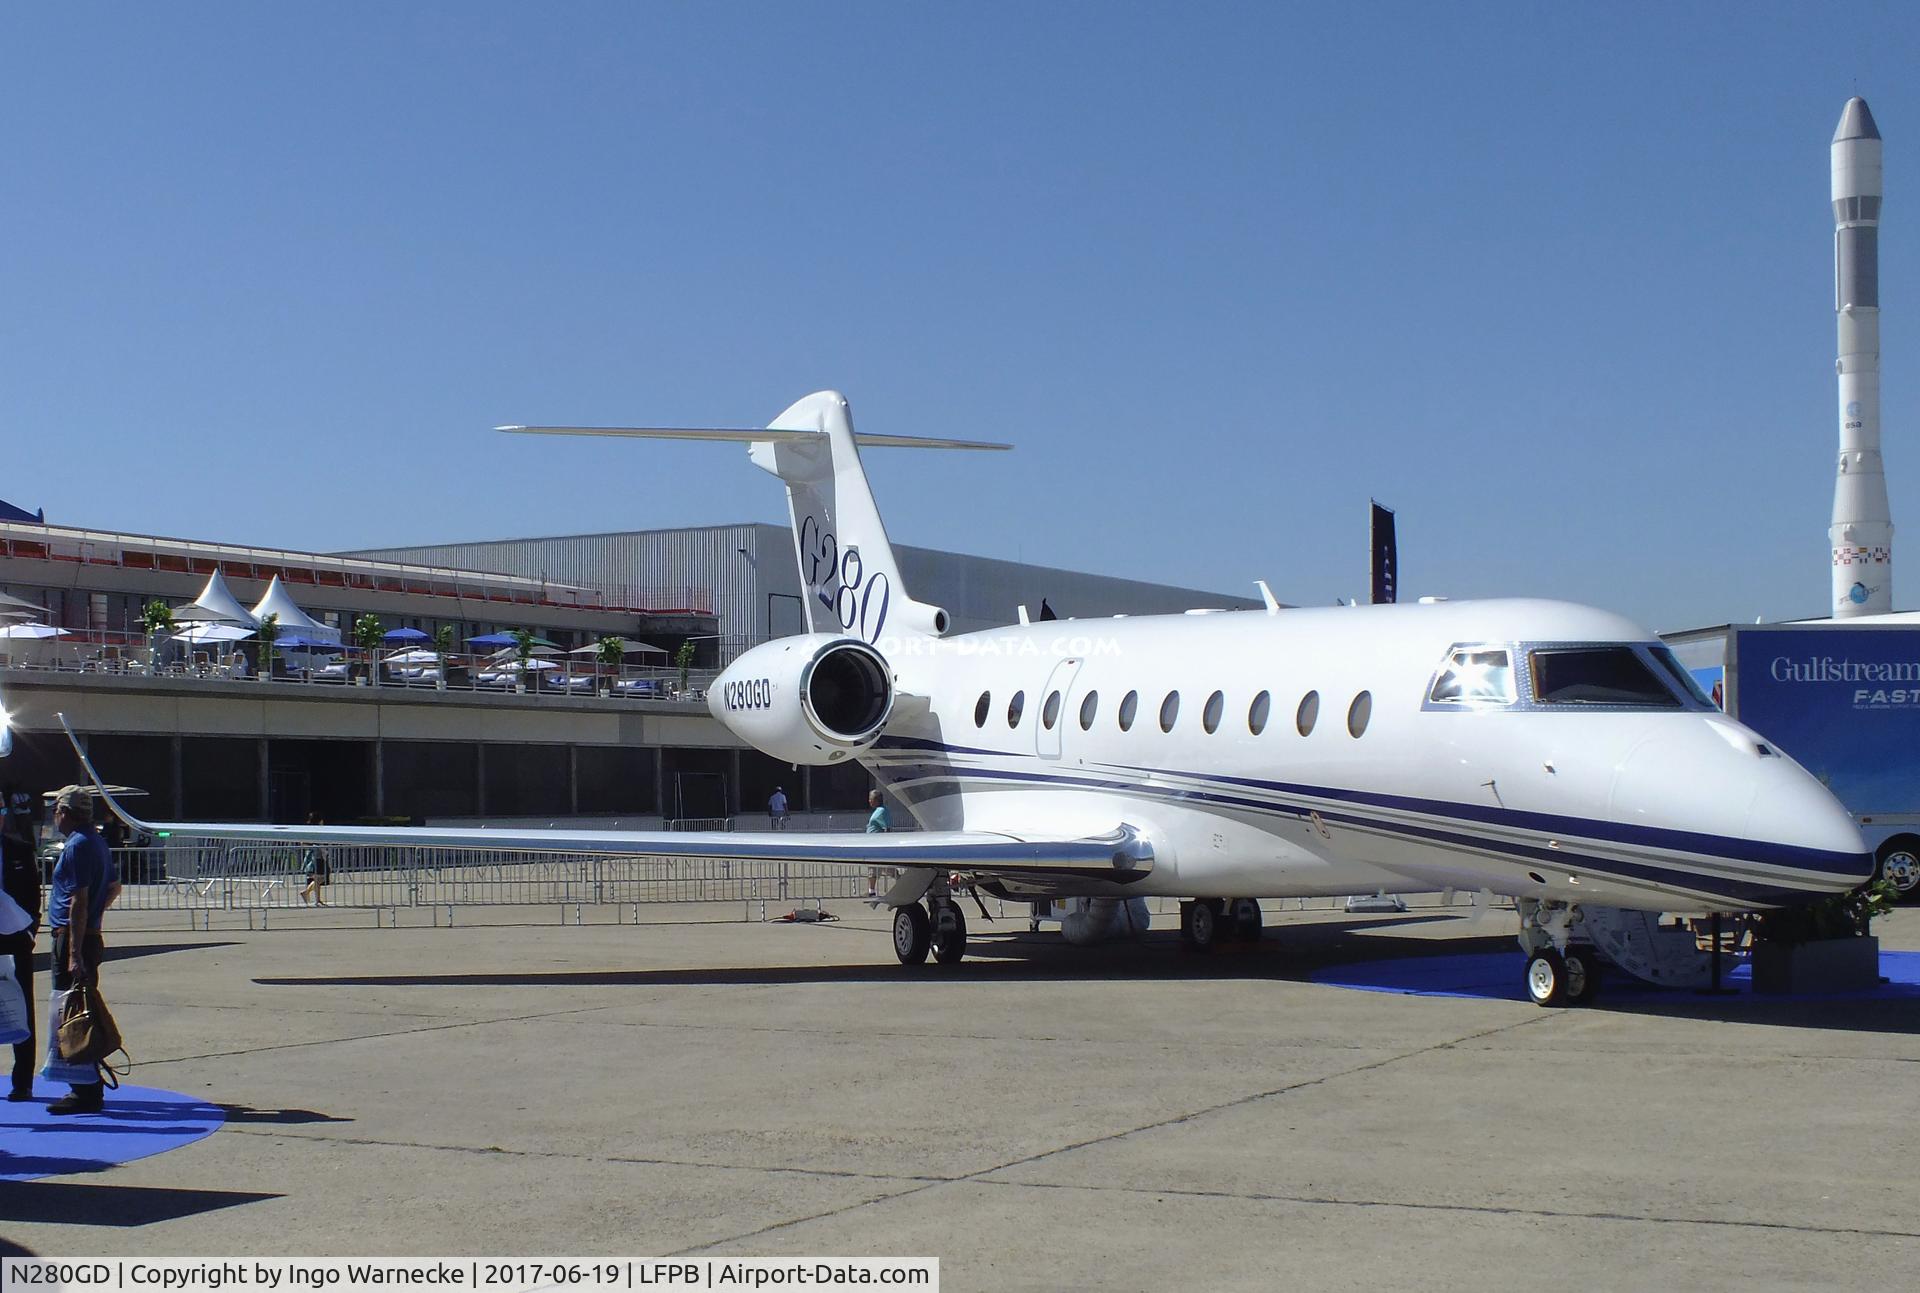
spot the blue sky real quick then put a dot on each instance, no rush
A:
(1553, 281)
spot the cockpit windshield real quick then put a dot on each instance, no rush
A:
(1475, 675)
(1599, 675)
(1688, 683)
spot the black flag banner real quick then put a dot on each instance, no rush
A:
(1386, 556)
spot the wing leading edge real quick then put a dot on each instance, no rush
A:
(1119, 855)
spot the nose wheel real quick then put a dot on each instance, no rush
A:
(1562, 979)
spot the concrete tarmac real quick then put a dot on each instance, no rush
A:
(1038, 1117)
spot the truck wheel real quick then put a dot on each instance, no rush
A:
(1899, 862)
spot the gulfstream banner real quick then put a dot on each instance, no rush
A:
(1845, 702)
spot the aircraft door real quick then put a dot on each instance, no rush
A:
(1056, 707)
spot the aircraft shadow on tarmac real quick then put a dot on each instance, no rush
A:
(279, 1117)
(43, 961)
(1288, 953)
(83, 1203)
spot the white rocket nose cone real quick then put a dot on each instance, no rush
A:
(1856, 122)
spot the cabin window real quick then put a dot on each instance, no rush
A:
(1611, 675)
(1169, 711)
(1089, 706)
(1358, 713)
(1475, 675)
(1308, 714)
(1129, 706)
(1257, 713)
(1050, 712)
(1014, 706)
(980, 710)
(1210, 716)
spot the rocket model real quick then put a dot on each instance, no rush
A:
(1862, 530)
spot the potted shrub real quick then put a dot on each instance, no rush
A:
(269, 640)
(607, 654)
(683, 660)
(368, 633)
(157, 617)
(523, 656)
(1826, 946)
(442, 648)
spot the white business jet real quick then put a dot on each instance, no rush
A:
(1538, 750)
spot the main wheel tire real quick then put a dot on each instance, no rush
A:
(1899, 862)
(1546, 978)
(1200, 924)
(912, 933)
(1246, 920)
(1583, 975)
(949, 933)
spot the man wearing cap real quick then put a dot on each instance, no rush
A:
(84, 885)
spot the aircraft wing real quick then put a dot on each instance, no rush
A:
(1119, 855)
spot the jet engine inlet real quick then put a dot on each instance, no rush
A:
(847, 691)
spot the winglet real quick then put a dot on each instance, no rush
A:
(1266, 595)
(100, 786)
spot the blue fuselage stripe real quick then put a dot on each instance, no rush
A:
(1558, 859)
(1719, 846)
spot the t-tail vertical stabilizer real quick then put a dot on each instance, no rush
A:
(850, 581)
(852, 584)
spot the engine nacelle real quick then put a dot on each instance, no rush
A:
(812, 699)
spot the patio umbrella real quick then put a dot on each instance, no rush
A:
(202, 633)
(627, 647)
(10, 605)
(513, 652)
(396, 637)
(294, 642)
(506, 640)
(32, 631)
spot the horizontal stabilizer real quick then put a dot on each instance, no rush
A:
(754, 435)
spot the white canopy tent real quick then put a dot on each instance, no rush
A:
(216, 604)
(293, 621)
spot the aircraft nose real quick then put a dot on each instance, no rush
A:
(1721, 780)
(1793, 809)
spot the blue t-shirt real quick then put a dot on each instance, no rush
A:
(879, 821)
(86, 863)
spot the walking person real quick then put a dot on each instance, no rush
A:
(878, 823)
(84, 886)
(315, 868)
(20, 880)
(777, 808)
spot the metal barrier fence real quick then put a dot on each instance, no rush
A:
(201, 877)
(208, 876)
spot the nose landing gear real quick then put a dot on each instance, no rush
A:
(1559, 971)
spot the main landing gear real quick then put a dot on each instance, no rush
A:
(1559, 971)
(937, 925)
(1205, 922)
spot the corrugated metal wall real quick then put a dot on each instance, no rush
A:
(746, 575)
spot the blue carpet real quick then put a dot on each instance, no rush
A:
(139, 1121)
(1496, 976)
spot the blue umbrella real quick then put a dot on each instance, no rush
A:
(394, 637)
(503, 640)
